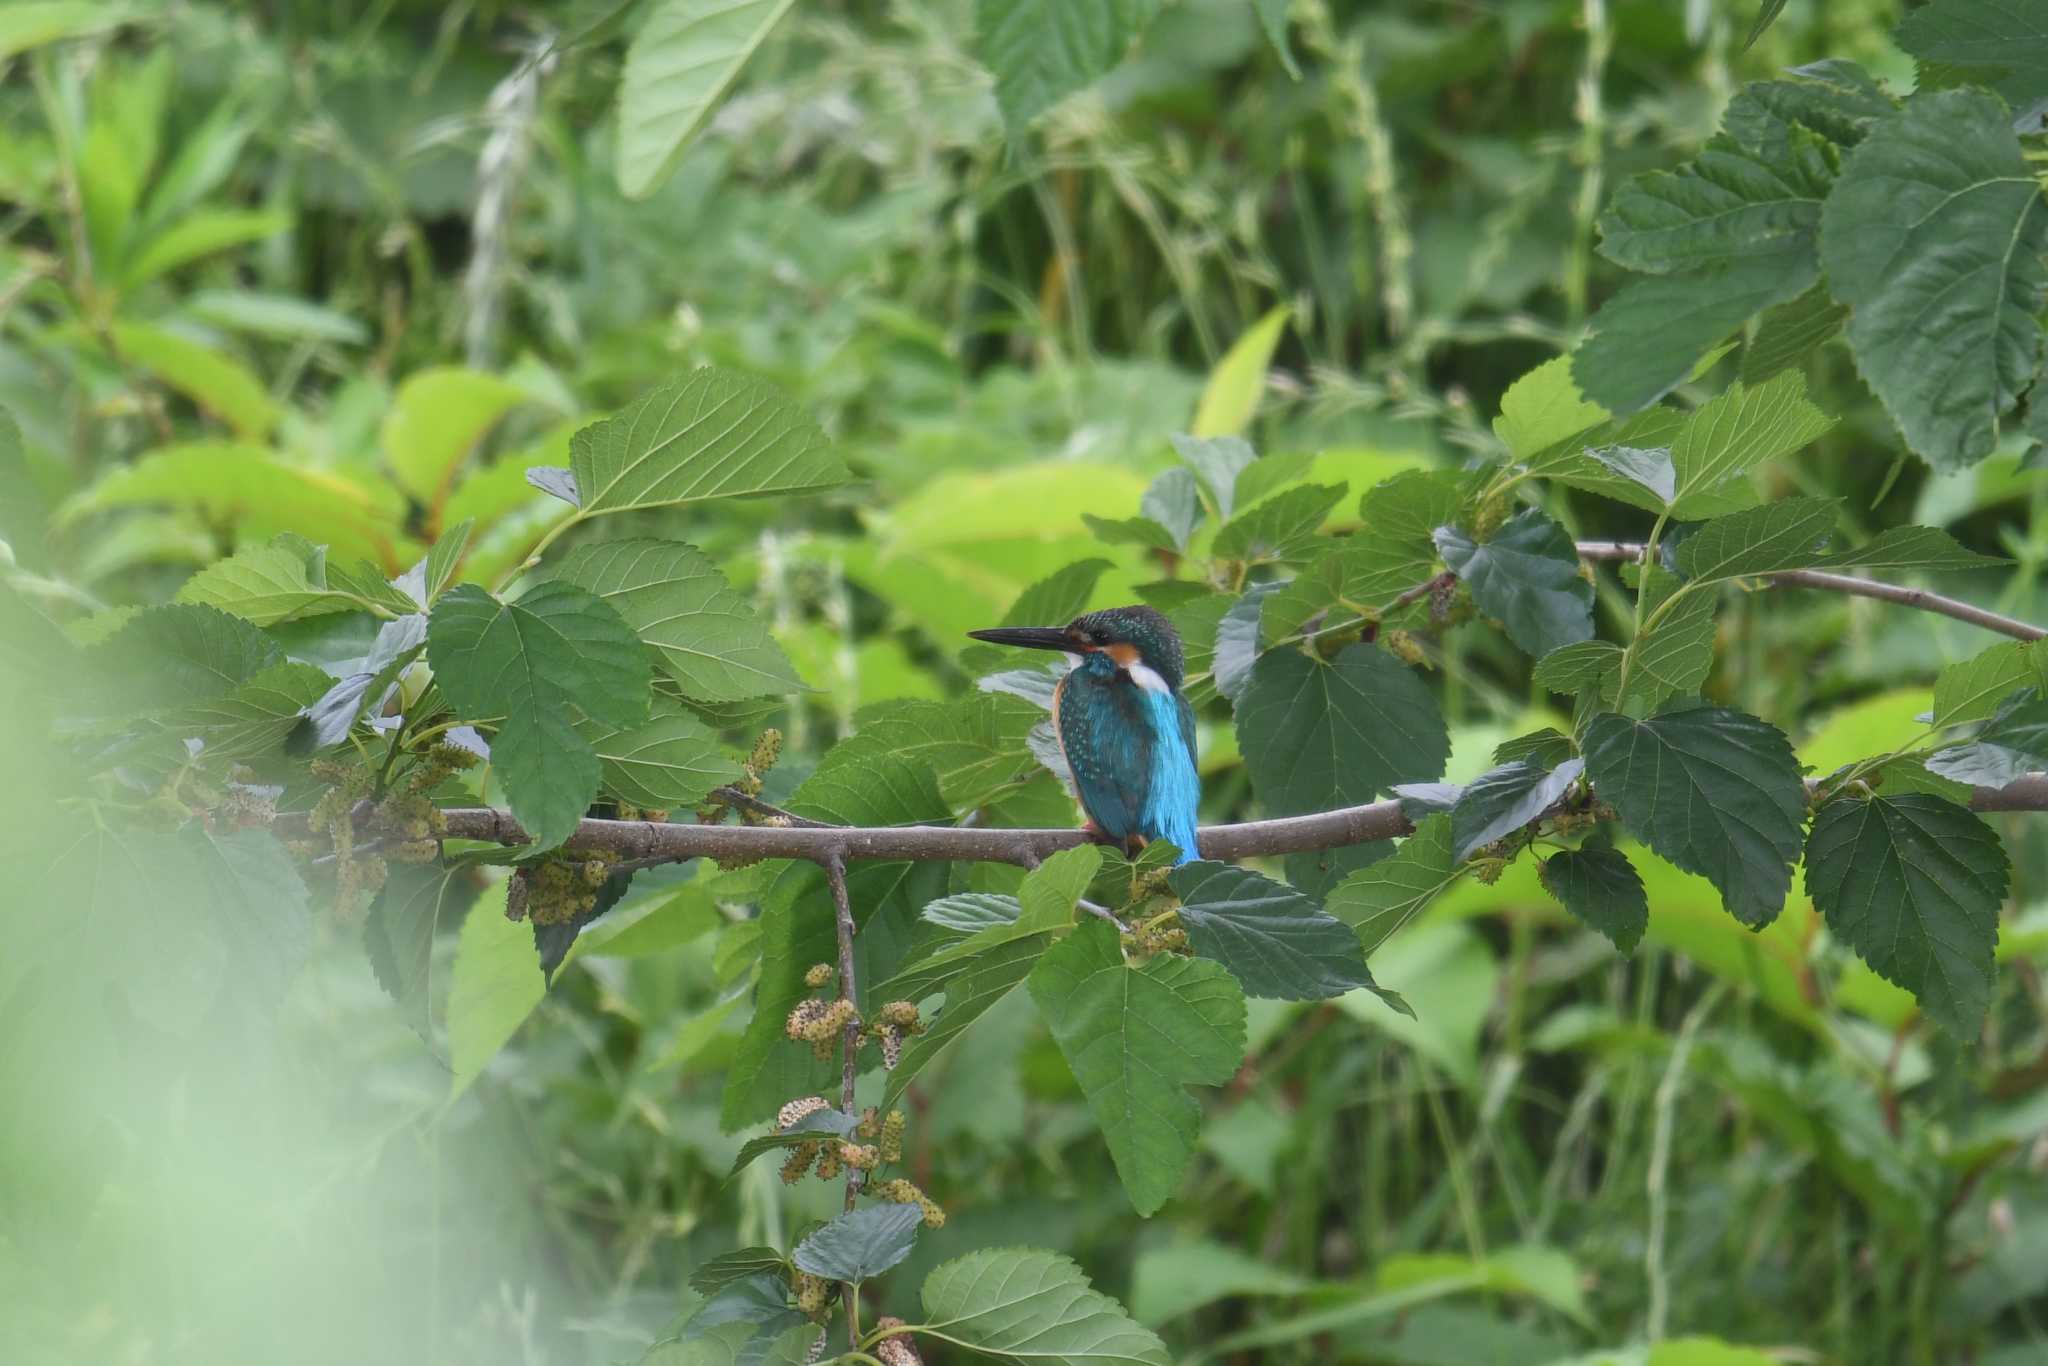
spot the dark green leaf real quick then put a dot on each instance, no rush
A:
(414, 905)
(974, 984)
(1023, 1305)
(1317, 735)
(1505, 799)
(670, 760)
(705, 634)
(1934, 238)
(2013, 743)
(1136, 1038)
(531, 665)
(1386, 896)
(1281, 528)
(1277, 942)
(165, 656)
(1715, 791)
(1526, 576)
(1601, 889)
(737, 1265)
(1041, 51)
(860, 1244)
(1989, 33)
(1239, 641)
(1647, 338)
(1787, 334)
(1787, 534)
(1914, 885)
(1729, 205)
(1547, 747)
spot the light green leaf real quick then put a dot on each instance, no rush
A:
(255, 718)
(1041, 51)
(436, 419)
(1739, 429)
(200, 233)
(1977, 33)
(1914, 883)
(1934, 238)
(1022, 1305)
(1273, 19)
(1319, 735)
(1174, 502)
(680, 64)
(282, 581)
(1281, 528)
(1715, 791)
(1057, 598)
(1649, 468)
(1217, 461)
(1135, 1039)
(1526, 576)
(30, 24)
(1180, 1277)
(531, 665)
(1601, 889)
(216, 382)
(705, 634)
(1505, 799)
(1580, 667)
(279, 317)
(672, 760)
(1647, 338)
(1909, 547)
(494, 985)
(1231, 397)
(1787, 534)
(1674, 657)
(860, 1244)
(1544, 408)
(1275, 941)
(709, 434)
(1972, 689)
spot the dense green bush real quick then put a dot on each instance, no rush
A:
(432, 430)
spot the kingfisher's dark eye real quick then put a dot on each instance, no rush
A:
(1099, 636)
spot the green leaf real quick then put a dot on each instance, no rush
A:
(1647, 338)
(1715, 791)
(1976, 33)
(1505, 799)
(199, 234)
(1273, 20)
(1377, 901)
(1543, 409)
(531, 665)
(971, 912)
(1787, 334)
(278, 317)
(1909, 547)
(1281, 528)
(1217, 461)
(415, 903)
(680, 64)
(216, 382)
(976, 979)
(34, 23)
(1650, 469)
(1041, 51)
(398, 644)
(1547, 746)
(672, 760)
(1674, 657)
(749, 1322)
(727, 1267)
(1319, 735)
(2013, 743)
(430, 577)
(1135, 1039)
(1787, 534)
(1601, 889)
(1766, 12)
(1240, 642)
(704, 633)
(1275, 941)
(1023, 1305)
(1739, 429)
(1914, 883)
(1728, 205)
(1972, 689)
(1059, 597)
(1526, 576)
(284, 581)
(1934, 238)
(1371, 568)
(1174, 501)
(494, 985)
(167, 656)
(1231, 397)
(435, 420)
(1580, 667)
(254, 719)
(828, 1122)
(710, 434)
(860, 1244)
(1138, 531)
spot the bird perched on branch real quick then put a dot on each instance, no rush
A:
(1126, 731)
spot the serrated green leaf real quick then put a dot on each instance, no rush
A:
(1543, 409)
(1377, 901)
(1174, 502)
(2013, 743)
(1240, 641)
(827, 1122)
(1059, 597)
(181, 654)
(749, 1322)
(1647, 338)
(255, 718)
(1275, 941)
(709, 434)
(705, 634)
(737, 1265)
(1972, 689)
(494, 984)
(1580, 667)
(1138, 531)
(975, 980)
(1729, 204)
(1909, 547)
(1787, 534)
(671, 760)
(1787, 334)
(1317, 735)
(1281, 528)
(1976, 33)
(415, 903)
(1914, 884)
(1041, 51)
(436, 419)
(1934, 238)
(972, 912)
(267, 584)
(860, 1244)
(1739, 429)
(1673, 657)
(1136, 1038)
(1217, 462)
(1715, 791)
(1526, 576)
(1602, 890)
(680, 64)
(1024, 1305)
(1505, 799)
(1548, 747)
(531, 665)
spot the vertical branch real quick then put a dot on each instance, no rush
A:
(849, 1066)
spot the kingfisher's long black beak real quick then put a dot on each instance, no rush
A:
(1031, 637)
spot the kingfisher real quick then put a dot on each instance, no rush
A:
(1126, 731)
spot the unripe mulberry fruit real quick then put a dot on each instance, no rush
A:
(819, 975)
(810, 1293)
(892, 1137)
(799, 1161)
(804, 1020)
(794, 1110)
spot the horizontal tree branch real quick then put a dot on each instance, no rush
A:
(647, 840)
(1855, 587)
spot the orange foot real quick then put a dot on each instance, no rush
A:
(1095, 834)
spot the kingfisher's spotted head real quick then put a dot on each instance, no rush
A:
(1138, 639)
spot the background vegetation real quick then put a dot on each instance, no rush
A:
(348, 271)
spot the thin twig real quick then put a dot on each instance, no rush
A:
(733, 796)
(834, 864)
